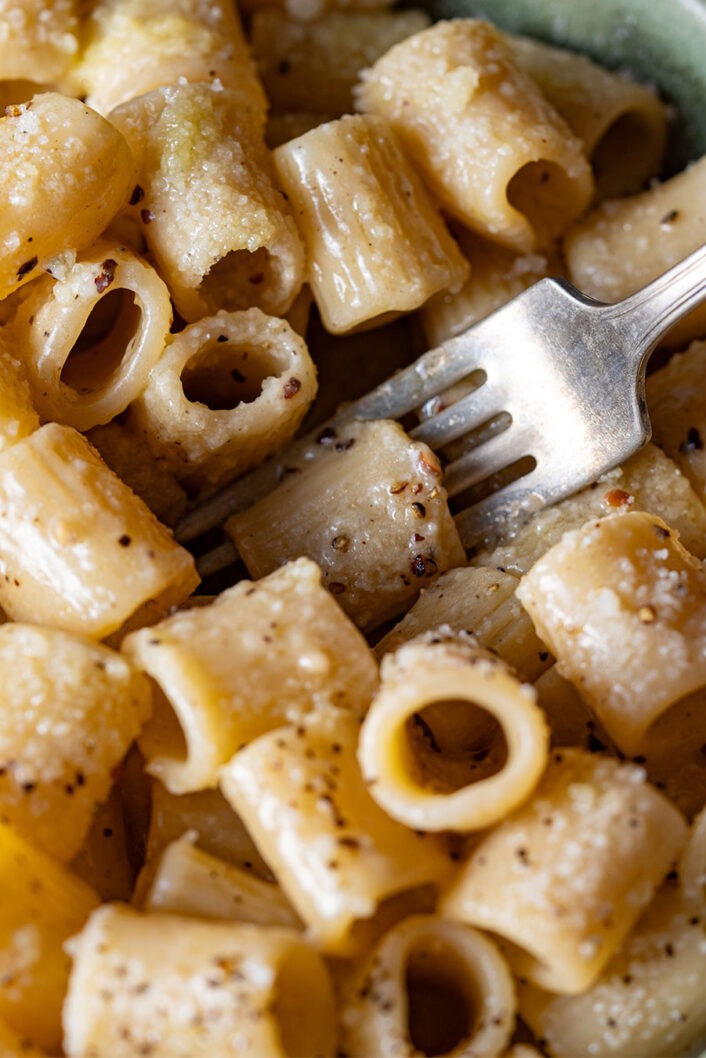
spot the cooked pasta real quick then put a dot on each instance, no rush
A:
(38, 37)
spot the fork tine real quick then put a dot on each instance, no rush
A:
(488, 458)
(483, 520)
(462, 417)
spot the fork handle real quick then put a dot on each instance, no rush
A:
(644, 317)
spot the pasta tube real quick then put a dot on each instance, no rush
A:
(260, 655)
(675, 397)
(376, 242)
(452, 740)
(429, 986)
(69, 711)
(38, 37)
(622, 124)
(43, 905)
(622, 606)
(178, 987)
(623, 244)
(496, 154)
(18, 416)
(189, 881)
(482, 602)
(66, 172)
(218, 228)
(82, 378)
(77, 549)
(336, 854)
(368, 506)
(563, 879)
(228, 392)
(134, 46)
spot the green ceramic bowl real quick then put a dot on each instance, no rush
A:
(660, 41)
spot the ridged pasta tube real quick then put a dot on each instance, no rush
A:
(563, 879)
(18, 416)
(622, 606)
(452, 740)
(66, 172)
(490, 146)
(430, 986)
(90, 338)
(220, 231)
(227, 392)
(178, 987)
(376, 242)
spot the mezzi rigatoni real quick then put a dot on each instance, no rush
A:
(376, 242)
(219, 229)
(67, 172)
(564, 878)
(38, 39)
(227, 392)
(78, 379)
(494, 151)
(452, 740)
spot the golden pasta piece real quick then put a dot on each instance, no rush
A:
(69, 710)
(648, 481)
(481, 601)
(18, 416)
(376, 242)
(649, 999)
(219, 230)
(430, 986)
(336, 854)
(227, 392)
(261, 654)
(66, 172)
(452, 740)
(134, 46)
(625, 243)
(675, 398)
(367, 504)
(14, 1045)
(622, 124)
(77, 549)
(622, 606)
(43, 905)
(90, 339)
(179, 987)
(189, 881)
(39, 38)
(105, 860)
(490, 146)
(292, 123)
(295, 58)
(563, 879)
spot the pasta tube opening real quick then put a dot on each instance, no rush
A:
(451, 743)
(226, 375)
(542, 192)
(111, 328)
(297, 1006)
(442, 1008)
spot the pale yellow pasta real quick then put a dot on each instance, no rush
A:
(106, 860)
(189, 881)
(647, 481)
(293, 123)
(376, 242)
(227, 392)
(219, 230)
(295, 58)
(624, 243)
(375, 554)
(497, 274)
(649, 999)
(622, 606)
(336, 854)
(18, 416)
(90, 339)
(563, 879)
(622, 124)
(66, 171)
(452, 740)
(495, 152)
(69, 710)
(43, 905)
(675, 398)
(38, 38)
(134, 46)
(692, 864)
(14, 1045)
(571, 722)
(481, 601)
(178, 987)
(78, 550)
(429, 986)
(261, 654)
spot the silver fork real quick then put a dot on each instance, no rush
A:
(570, 373)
